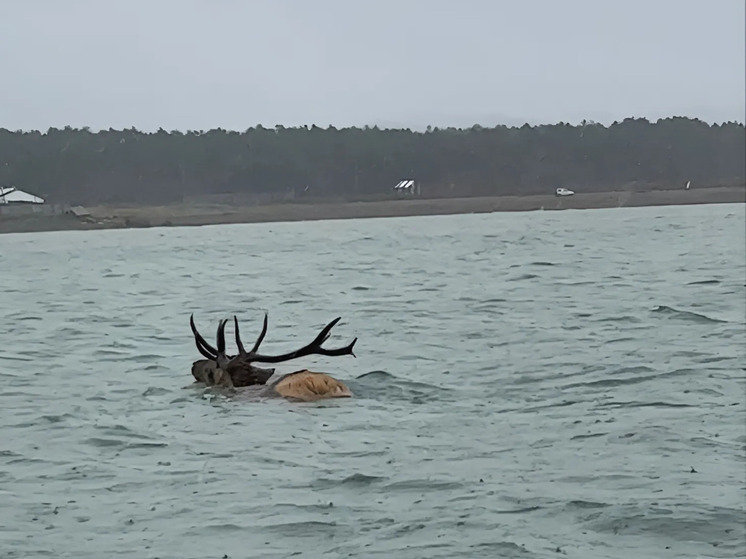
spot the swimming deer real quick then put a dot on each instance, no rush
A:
(219, 369)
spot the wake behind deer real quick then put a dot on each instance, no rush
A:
(237, 371)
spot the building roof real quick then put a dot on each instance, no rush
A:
(9, 194)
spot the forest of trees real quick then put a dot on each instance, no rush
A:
(128, 166)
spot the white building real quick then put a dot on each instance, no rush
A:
(11, 195)
(407, 187)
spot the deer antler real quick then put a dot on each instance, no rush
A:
(205, 349)
(239, 367)
(241, 350)
(313, 348)
(222, 359)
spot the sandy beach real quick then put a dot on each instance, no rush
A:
(112, 217)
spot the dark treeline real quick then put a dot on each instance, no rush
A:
(114, 166)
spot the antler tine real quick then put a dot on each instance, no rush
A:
(326, 332)
(239, 343)
(312, 348)
(346, 350)
(324, 335)
(243, 359)
(222, 359)
(205, 349)
(221, 337)
(260, 339)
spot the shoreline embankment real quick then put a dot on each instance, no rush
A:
(121, 217)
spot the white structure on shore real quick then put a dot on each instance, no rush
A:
(11, 195)
(407, 187)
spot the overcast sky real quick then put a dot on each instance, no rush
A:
(190, 64)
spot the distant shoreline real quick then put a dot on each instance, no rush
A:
(113, 217)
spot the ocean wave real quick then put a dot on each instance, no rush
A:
(670, 312)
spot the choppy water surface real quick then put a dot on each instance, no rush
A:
(528, 385)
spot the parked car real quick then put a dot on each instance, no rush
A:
(563, 192)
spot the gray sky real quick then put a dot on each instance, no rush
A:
(191, 64)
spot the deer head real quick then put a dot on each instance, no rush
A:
(239, 370)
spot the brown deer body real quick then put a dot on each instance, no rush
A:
(218, 369)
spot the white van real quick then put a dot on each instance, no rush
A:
(563, 192)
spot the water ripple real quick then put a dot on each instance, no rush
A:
(527, 385)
